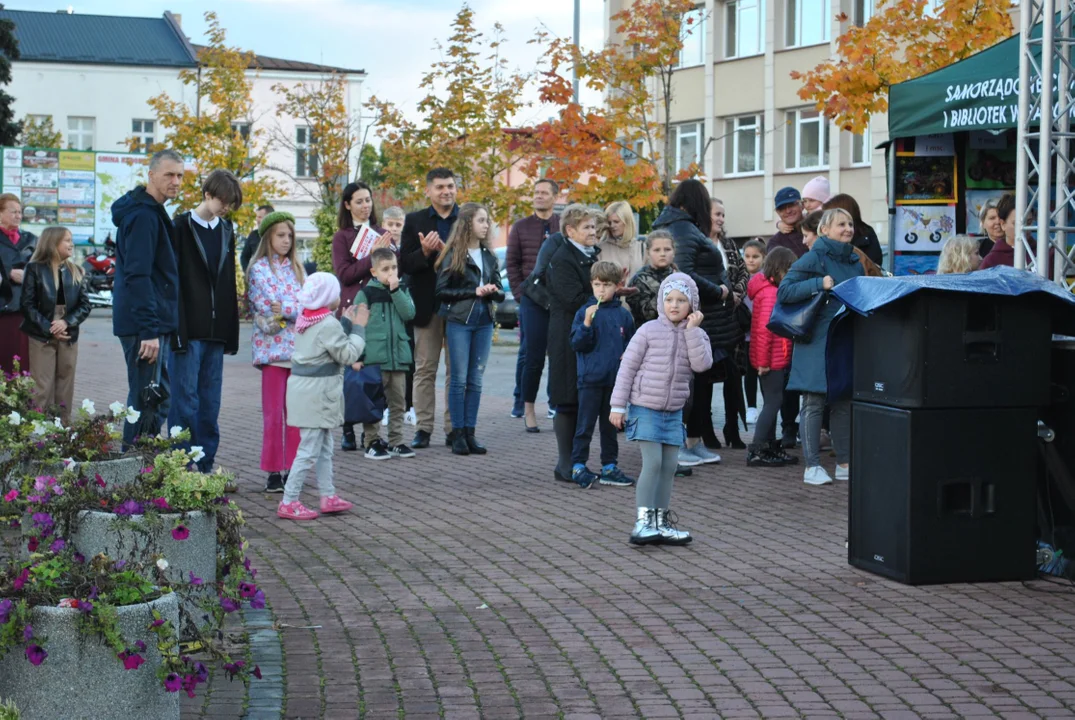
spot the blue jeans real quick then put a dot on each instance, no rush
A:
(140, 374)
(197, 381)
(468, 348)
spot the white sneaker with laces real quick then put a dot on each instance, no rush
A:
(816, 476)
(843, 473)
(752, 415)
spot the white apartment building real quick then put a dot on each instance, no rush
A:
(736, 110)
(93, 75)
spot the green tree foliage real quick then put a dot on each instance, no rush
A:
(9, 50)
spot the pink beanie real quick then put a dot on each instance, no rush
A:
(818, 189)
(320, 290)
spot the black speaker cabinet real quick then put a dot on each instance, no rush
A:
(943, 496)
(946, 349)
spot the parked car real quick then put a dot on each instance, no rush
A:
(507, 312)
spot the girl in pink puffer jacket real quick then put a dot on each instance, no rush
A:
(652, 386)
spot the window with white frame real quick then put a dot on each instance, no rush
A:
(692, 32)
(863, 12)
(80, 132)
(143, 131)
(743, 145)
(688, 145)
(808, 22)
(744, 28)
(630, 156)
(305, 153)
(860, 148)
(807, 140)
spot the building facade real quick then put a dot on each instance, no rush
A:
(736, 111)
(93, 75)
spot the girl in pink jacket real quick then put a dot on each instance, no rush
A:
(652, 386)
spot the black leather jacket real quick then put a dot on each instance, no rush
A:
(458, 293)
(39, 301)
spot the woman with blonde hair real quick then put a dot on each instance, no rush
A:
(959, 255)
(275, 277)
(617, 238)
(54, 304)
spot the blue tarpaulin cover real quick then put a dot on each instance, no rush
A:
(864, 295)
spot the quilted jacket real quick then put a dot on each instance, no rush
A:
(657, 366)
(265, 288)
(766, 349)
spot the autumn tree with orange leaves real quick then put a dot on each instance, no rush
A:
(900, 42)
(625, 146)
(471, 102)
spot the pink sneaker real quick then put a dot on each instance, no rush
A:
(295, 511)
(334, 505)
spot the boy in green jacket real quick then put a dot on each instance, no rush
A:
(387, 345)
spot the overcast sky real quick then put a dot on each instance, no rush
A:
(392, 40)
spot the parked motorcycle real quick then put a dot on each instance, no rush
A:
(100, 270)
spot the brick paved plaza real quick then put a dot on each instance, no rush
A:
(478, 587)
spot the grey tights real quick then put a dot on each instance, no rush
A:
(654, 487)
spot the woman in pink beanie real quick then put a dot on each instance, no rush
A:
(816, 193)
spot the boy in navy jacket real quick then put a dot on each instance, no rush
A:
(599, 335)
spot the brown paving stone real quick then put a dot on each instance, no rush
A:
(759, 617)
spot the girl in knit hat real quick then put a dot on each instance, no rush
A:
(324, 346)
(652, 386)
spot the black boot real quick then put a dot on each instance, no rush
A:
(731, 437)
(348, 443)
(475, 447)
(449, 439)
(459, 443)
(710, 440)
(779, 453)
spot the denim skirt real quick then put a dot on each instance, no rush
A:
(657, 426)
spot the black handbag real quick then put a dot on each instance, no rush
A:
(796, 321)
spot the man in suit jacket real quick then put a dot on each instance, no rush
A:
(424, 234)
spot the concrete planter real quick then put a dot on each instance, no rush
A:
(127, 538)
(81, 679)
(117, 472)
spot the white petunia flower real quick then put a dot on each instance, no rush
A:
(57, 423)
(117, 408)
(162, 564)
(89, 407)
(196, 453)
(14, 418)
(39, 428)
(133, 415)
(174, 431)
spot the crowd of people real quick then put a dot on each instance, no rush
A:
(637, 329)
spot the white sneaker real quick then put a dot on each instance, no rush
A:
(551, 414)
(410, 417)
(689, 458)
(384, 418)
(816, 476)
(843, 473)
(752, 415)
(707, 455)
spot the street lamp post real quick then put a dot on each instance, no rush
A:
(575, 72)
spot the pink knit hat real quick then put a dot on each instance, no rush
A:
(817, 189)
(319, 291)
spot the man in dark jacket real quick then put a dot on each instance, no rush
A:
(789, 206)
(254, 239)
(424, 234)
(145, 293)
(524, 242)
(208, 313)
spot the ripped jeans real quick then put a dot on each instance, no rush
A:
(468, 349)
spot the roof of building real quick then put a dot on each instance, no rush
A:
(264, 62)
(100, 39)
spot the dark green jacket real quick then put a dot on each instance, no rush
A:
(387, 344)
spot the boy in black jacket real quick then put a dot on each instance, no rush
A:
(599, 335)
(208, 313)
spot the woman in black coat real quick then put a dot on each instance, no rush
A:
(567, 280)
(688, 217)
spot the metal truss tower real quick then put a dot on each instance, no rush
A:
(1045, 166)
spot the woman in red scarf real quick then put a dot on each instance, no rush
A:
(16, 247)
